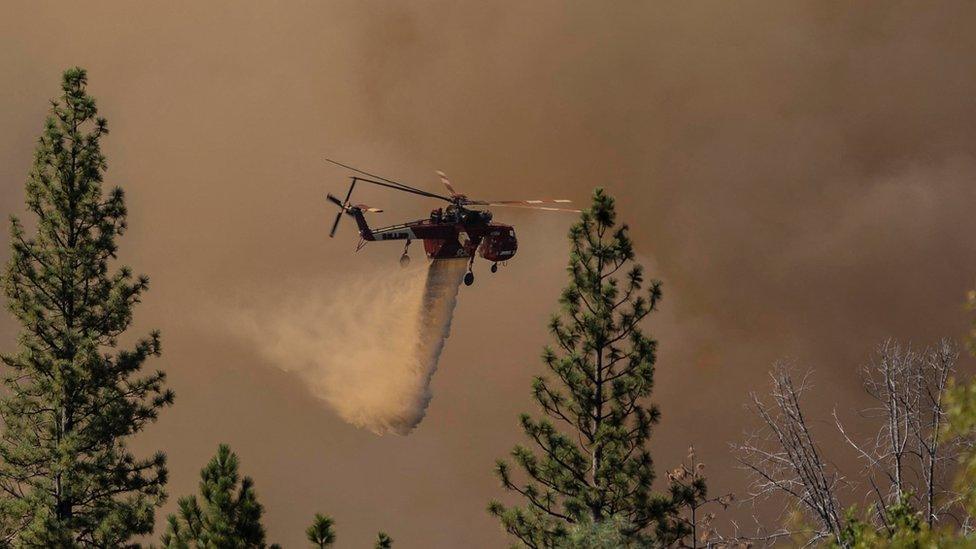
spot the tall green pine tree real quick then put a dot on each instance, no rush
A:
(71, 396)
(322, 531)
(227, 515)
(596, 468)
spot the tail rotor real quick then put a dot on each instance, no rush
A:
(343, 206)
(342, 210)
(346, 208)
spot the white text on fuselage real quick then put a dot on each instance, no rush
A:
(394, 236)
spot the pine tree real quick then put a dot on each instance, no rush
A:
(227, 515)
(602, 535)
(383, 541)
(71, 396)
(597, 468)
(322, 532)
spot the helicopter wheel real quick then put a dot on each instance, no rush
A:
(494, 267)
(468, 278)
(404, 260)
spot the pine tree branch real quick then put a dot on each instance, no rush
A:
(552, 454)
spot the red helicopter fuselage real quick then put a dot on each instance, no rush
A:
(454, 233)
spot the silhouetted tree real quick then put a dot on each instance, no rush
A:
(596, 467)
(72, 397)
(322, 531)
(383, 541)
(227, 515)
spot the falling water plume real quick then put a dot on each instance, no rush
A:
(367, 347)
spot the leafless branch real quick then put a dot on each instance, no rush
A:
(907, 452)
(784, 459)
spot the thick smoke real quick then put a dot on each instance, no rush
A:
(800, 175)
(368, 348)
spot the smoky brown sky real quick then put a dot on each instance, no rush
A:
(800, 175)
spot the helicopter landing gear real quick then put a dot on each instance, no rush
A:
(469, 276)
(405, 259)
(494, 267)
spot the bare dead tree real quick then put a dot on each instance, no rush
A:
(938, 452)
(783, 457)
(908, 459)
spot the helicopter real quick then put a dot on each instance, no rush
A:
(452, 232)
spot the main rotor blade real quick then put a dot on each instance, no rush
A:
(531, 207)
(447, 183)
(406, 189)
(545, 201)
(388, 182)
(519, 202)
(334, 200)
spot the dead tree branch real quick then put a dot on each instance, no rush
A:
(907, 458)
(783, 457)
